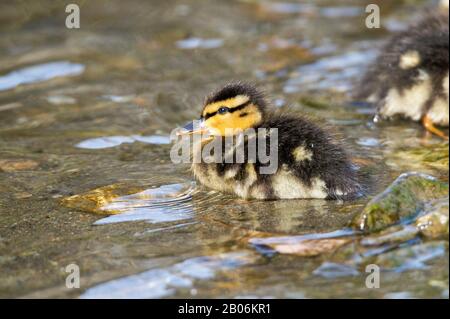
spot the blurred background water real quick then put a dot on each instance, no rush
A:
(92, 109)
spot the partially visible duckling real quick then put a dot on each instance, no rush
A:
(311, 162)
(410, 78)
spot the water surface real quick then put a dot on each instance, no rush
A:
(81, 110)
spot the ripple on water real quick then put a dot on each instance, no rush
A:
(398, 295)
(61, 99)
(113, 141)
(199, 43)
(294, 239)
(368, 142)
(336, 73)
(166, 203)
(335, 270)
(306, 8)
(291, 8)
(164, 282)
(39, 73)
(120, 98)
(341, 12)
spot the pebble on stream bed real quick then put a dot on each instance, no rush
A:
(13, 165)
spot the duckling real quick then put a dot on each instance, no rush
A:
(311, 163)
(410, 78)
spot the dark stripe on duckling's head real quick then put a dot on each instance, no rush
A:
(225, 109)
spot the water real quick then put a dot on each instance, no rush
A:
(89, 112)
(158, 283)
(39, 73)
(197, 43)
(163, 204)
(336, 72)
(113, 141)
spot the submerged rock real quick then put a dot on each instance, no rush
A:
(136, 202)
(309, 248)
(304, 245)
(402, 200)
(13, 165)
(95, 200)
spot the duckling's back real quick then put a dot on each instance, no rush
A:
(311, 158)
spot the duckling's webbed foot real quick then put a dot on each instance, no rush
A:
(429, 126)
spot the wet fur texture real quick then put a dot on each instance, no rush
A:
(329, 162)
(322, 170)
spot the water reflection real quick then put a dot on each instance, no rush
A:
(198, 43)
(166, 203)
(39, 73)
(164, 282)
(113, 141)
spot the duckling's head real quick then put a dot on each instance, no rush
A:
(235, 107)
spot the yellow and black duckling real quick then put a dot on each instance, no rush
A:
(311, 162)
(410, 78)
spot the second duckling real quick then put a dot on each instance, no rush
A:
(410, 78)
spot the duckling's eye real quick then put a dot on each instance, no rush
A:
(223, 110)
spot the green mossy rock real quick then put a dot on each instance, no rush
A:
(402, 200)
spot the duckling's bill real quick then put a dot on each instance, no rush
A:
(194, 127)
